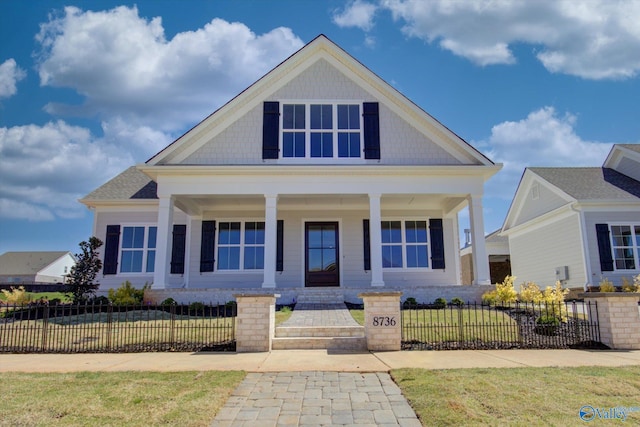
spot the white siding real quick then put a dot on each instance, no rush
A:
(536, 254)
(593, 218)
(241, 143)
(629, 167)
(56, 270)
(546, 202)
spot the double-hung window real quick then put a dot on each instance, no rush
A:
(626, 246)
(321, 130)
(405, 244)
(241, 245)
(138, 249)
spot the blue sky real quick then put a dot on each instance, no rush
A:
(90, 88)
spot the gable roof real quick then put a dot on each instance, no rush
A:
(319, 48)
(28, 263)
(131, 184)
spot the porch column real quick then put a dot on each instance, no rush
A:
(480, 258)
(163, 247)
(375, 240)
(270, 240)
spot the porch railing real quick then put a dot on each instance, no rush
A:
(517, 325)
(110, 328)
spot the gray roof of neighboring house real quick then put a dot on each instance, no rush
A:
(130, 184)
(592, 183)
(495, 237)
(26, 263)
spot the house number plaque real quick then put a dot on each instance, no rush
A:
(383, 321)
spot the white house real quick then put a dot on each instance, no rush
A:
(577, 225)
(35, 267)
(320, 174)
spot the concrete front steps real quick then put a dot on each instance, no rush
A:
(320, 321)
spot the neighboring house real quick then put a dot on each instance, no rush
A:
(497, 247)
(320, 174)
(577, 225)
(35, 267)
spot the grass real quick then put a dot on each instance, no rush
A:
(115, 399)
(517, 396)
(34, 296)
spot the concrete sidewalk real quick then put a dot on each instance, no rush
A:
(314, 360)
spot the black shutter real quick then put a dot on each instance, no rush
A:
(371, 124)
(366, 242)
(279, 246)
(270, 130)
(437, 243)
(207, 246)
(604, 247)
(178, 248)
(111, 245)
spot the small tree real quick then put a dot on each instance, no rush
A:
(80, 283)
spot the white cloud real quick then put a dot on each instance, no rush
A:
(357, 14)
(45, 169)
(593, 39)
(10, 75)
(125, 67)
(543, 138)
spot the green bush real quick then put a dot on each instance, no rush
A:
(169, 301)
(99, 300)
(196, 307)
(489, 297)
(457, 302)
(409, 302)
(440, 303)
(126, 294)
(548, 319)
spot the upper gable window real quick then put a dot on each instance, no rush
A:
(321, 130)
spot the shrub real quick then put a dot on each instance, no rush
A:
(457, 302)
(505, 292)
(627, 286)
(99, 300)
(17, 296)
(80, 281)
(489, 297)
(126, 294)
(440, 303)
(169, 301)
(606, 285)
(285, 309)
(530, 292)
(196, 307)
(548, 319)
(410, 302)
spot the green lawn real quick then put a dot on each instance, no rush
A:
(518, 396)
(34, 296)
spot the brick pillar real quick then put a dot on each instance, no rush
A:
(618, 317)
(382, 325)
(255, 324)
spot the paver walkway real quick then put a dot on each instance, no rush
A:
(308, 314)
(316, 399)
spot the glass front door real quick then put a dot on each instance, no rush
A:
(322, 254)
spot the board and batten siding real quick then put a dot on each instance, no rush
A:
(241, 142)
(536, 254)
(593, 218)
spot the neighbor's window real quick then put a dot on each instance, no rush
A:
(626, 246)
(138, 249)
(321, 130)
(241, 245)
(405, 244)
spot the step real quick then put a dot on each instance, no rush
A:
(320, 296)
(319, 331)
(318, 343)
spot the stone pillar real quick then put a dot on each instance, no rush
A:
(163, 243)
(382, 321)
(255, 322)
(270, 241)
(618, 317)
(480, 258)
(375, 240)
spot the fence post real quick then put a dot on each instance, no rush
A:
(619, 318)
(382, 320)
(256, 322)
(45, 326)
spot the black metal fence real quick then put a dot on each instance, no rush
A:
(517, 325)
(106, 328)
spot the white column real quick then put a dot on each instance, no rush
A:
(163, 246)
(480, 258)
(375, 240)
(270, 240)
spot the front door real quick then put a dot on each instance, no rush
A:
(321, 254)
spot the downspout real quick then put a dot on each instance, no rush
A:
(583, 242)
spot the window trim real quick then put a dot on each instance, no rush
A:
(404, 244)
(635, 245)
(241, 269)
(145, 249)
(308, 131)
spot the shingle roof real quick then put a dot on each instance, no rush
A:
(26, 263)
(130, 184)
(592, 183)
(632, 147)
